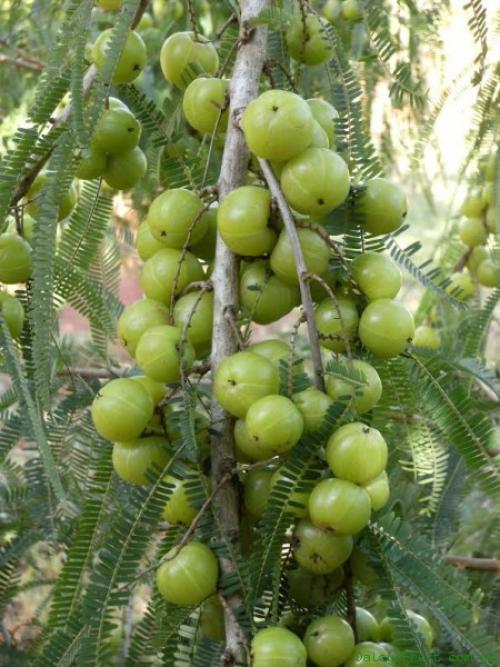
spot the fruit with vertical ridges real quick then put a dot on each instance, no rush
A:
(427, 337)
(277, 646)
(117, 131)
(137, 318)
(379, 491)
(146, 243)
(356, 452)
(157, 390)
(382, 206)
(275, 426)
(126, 170)
(325, 114)
(332, 10)
(477, 255)
(159, 354)
(472, 206)
(366, 625)
(203, 102)
(313, 405)
(212, 619)
(178, 508)
(273, 349)
(256, 489)
(336, 323)
(386, 328)
(183, 57)
(121, 410)
(132, 59)
(315, 250)
(351, 10)
(198, 310)
(329, 641)
(377, 276)
(189, 575)
(307, 40)
(173, 214)
(472, 232)
(319, 551)
(92, 165)
(265, 296)
(315, 182)
(132, 459)
(158, 276)
(12, 311)
(271, 121)
(365, 395)
(339, 505)
(488, 273)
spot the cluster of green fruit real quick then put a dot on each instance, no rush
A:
(348, 10)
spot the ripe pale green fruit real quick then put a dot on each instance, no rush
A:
(473, 206)
(351, 11)
(309, 43)
(366, 625)
(329, 641)
(146, 22)
(336, 323)
(472, 232)
(118, 131)
(161, 274)
(132, 459)
(477, 255)
(121, 410)
(66, 205)
(316, 255)
(275, 425)
(243, 441)
(386, 327)
(297, 500)
(13, 313)
(137, 318)
(277, 646)
(132, 60)
(367, 653)
(242, 221)
(183, 57)
(422, 626)
(427, 337)
(382, 206)
(157, 390)
(461, 286)
(173, 213)
(92, 165)
(379, 491)
(319, 140)
(256, 489)
(212, 619)
(199, 312)
(315, 182)
(203, 102)
(320, 551)
(189, 575)
(357, 453)
(339, 505)
(146, 243)
(273, 349)
(365, 395)
(332, 10)
(265, 296)
(313, 405)
(377, 276)
(325, 114)
(178, 508)
(488, 273)
(159, 354)
(15, 259)
(109, 5)
(205, 247)
(487, 194)
(314, 590)
(126, 170)
(271, 121)
(242, 379)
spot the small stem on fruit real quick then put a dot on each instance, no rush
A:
(223, 108)
(351, 603)
(305, 291)
(479, 564)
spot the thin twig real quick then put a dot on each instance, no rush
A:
(351, 602)
(291, 352)
(20, 64)
(479, 564)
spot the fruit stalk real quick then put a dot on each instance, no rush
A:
(243, 88)
(307, 302)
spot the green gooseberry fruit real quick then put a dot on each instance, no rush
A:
(313, 590)
(422, 626)
(189, 575)
(109, 5)
(174, 215)
(319, 140)
(271, 120)
(377, 276)
(308, 41)
(66, 205)
(461, 286)
(336, 323)
(118, 131)
(379, 491)
(157, 390)
(121, 410)
(315, 250)
(275, 426)
(204, 105)
(256, 489)
(197, 309)
(126, 170)
(320, 551)
(477, 255)
(146, 243)
(159, 355)
(365, 395)
(339, 505)
(92, 165)
(297, 501)
(366, 625)
(332, 10)
(205, 247)
(132, 59)
(313, 405)
(356, 452)
(184, 56)
(315, 182)
(15, 259)
(166, 271)
(242, 221)
(382, 205)
(386, 327)
(367, 652)
(472, 232)
(137, 318)
(277, 646)
(243, 378)
(487, 194)
(265, 296)
(132, 459)
(472, 207)
(178, 508)
(488, 273)
(362, 570)
(212, 619)
(329, 641)
(273, 349)
(326, 115)
(351, 11)
(13, 313)
(146, 22)
(427, 337)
